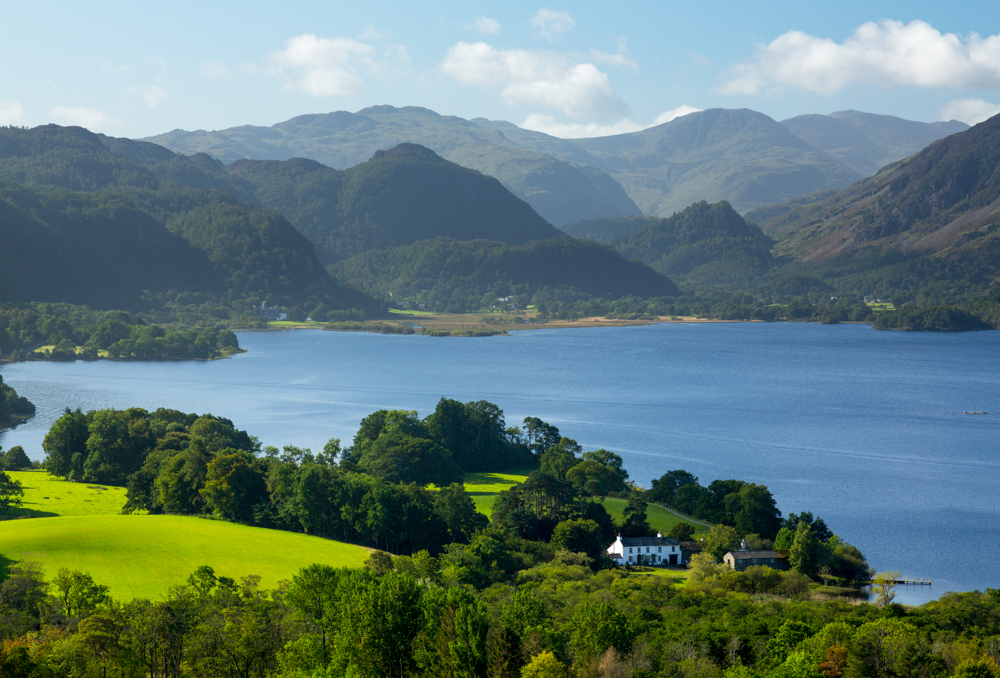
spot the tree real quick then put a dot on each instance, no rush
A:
(458, 510)
(560, 458)
(15, 459)
(609, 459)
(884, 587)
(597, 626)
(580, 536)
(595, 479)
(682, 532)
(400, 458)
(664, 487)
(719, 540)
(65, 445)
(544, 665)
(11, 492)
(539, 435)
(234, 485)
(752, 509)
(634, 523)
(804, 555)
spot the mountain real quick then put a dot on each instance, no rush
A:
(86, 224)
(943, 200)
(606, 230)
(449, 269)
(560, 191)
(865, 142)
(740, 156)
(704, 246)
(399, 196)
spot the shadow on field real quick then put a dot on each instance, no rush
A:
(5, 565)
(18, 513)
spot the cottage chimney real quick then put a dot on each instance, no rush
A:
(659, 535)
(743, 545)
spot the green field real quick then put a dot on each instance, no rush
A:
(142, 556)
(484, 487)
(658, 518)
(46, 495)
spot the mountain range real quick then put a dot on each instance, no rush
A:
(740, 156)
(98, 220)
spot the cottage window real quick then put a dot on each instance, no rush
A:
(647, 549)
(630, 551)
(659, 549)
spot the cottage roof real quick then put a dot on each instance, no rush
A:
(746, 555)
(649, 541)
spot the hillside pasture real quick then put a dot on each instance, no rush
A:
(46, 495)
(143, 556)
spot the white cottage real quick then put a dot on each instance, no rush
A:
(658, 550)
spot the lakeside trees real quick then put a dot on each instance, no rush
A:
(13, 408)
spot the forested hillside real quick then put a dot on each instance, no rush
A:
(88, 225)
(451, 270)
(399, 196)
(705, 246)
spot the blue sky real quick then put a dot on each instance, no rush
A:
(581, 69)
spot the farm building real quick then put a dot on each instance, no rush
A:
(744, 557)
(658, 550)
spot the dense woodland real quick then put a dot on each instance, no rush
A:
(526, 595)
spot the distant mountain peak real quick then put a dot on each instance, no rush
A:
(408, 151)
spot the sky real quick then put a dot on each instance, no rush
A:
(575, 69)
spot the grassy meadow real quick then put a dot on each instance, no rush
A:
(142, 556)
(80, 526)
(46, 496)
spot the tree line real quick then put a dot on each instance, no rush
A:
(79, 333)
(551, 617)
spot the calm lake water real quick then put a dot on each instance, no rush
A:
(856, 425)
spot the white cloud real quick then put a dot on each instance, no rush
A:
(620, 60)
(674, 113)
(486, 26)
(970, 111)
(549, 125)
(541, 78)
(110, 67)
(91, 118)
(10, 112)
(699, 59)
(550, 23)
(214, 70)
(886, 53)
(323, 67)
(153, 96)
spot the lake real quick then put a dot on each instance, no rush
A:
(858, 426)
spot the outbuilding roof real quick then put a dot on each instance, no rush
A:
(747, 555)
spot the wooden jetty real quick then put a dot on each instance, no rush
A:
(913, 580)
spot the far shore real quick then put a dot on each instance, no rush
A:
(499, 324)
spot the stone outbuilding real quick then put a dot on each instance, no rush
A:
(744, 557)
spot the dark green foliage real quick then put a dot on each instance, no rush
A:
(13, 408)
(634, 522)
(458, 510)
(15, 459)
(929, 319)
(580, 536)
(399, 458)
(560, 458)
(477, 436)
(399, 197)
(91, 226)
(451, 269)
(705, 246)
(11, 492)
